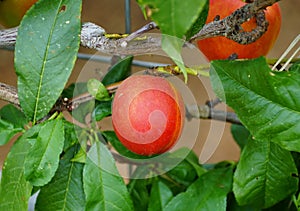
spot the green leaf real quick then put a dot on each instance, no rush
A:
(65, 191)
(174, 17)
(240, 135)
(193, 159)
(42, 160)
(71, 135)
(103, 186)
(97, 90)
(183, 173)
(45, 53)
(139, 190)
(200, 21)
(183, 157)
(102, 109)
(112, 138)
(174, 22)
(7, 131)
(160, 196)
(267, 102)
(264, 175)
(12, 121)
(173, 46)
(80, 156)
(119, 71)
(13, 115)
(206, 193)
(295, 66)
(15, 190)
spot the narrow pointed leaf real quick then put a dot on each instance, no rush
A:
(161, 194)
(267, 102)
(200, 21)
(97, 90)
(265, 175)
(119, 71)
(174, 22)
(42, 160)
(15, 190)
(45, 53)
(183, 173)
(7, 131)
(112, 138)
(209, 192)
(173, 46)
(65, 190)
(172, 19)
(13, 115)
(103, 186)
(139, 188)
(12, 121)
(240, 135)
(102, 109)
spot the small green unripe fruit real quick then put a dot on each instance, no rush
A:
(148, 114)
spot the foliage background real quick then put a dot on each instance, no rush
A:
(110, 15)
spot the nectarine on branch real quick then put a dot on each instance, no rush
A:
(9, 93)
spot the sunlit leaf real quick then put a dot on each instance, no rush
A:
(209, 192)
(103, 186)
(15, 190)
(65, 190)
(42, 159)
(267, 102)
(45, 53)
(265, 175)
(12, 121)
(97, 90)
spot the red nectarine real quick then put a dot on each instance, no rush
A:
(147, 114)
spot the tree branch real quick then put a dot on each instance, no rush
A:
(93, 36)
(9, 94)
(207, 112)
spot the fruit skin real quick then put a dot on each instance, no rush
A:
(222, 47)
(12, 11)
(147, 114)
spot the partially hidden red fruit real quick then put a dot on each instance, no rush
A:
(147, 114)
(222, 47)
(12, 11)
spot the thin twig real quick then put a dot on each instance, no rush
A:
(207, 112)
(133, 35)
